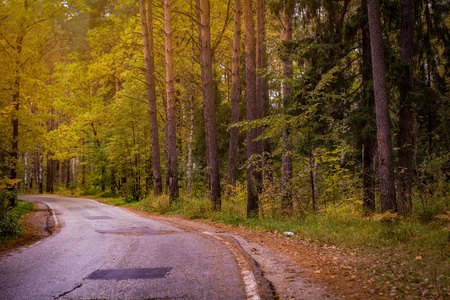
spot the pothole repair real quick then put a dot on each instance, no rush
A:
(138, 231)
(98, 218)
(131, 231)
(134, 273)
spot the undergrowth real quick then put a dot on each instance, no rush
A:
(10, 227)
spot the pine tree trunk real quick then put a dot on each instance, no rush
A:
(203, 16)
(406, 113)
(171, 138)
(192, 116)
(147, 36)
(191, 143)
(251, 107)
(385, 155)
(261, 82)
(368, 143)
(286, 160)
(235, 95)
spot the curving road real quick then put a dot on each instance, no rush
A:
(105, 252)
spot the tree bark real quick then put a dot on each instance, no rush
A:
(368, 142)
(385, 155)
(286, 160)
(16, 105)
(171, 138)
(67, 179)
(147, 36)
(50, 174)
(261, 82)
(192, 116)
(203, 16)
(235, 95)
(251, 107)
(38, 171)
(406, 113)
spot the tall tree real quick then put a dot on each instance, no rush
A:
(191, 111)
(251, 108)
(171, 138)
(261, 82)
(286, 163)
(147, 36)
(51, 164)
(406, 112)
(17, 48)
(235, 95)
(369, 133)
(385, 151)
(203, 16)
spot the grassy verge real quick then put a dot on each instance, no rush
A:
(10, 227)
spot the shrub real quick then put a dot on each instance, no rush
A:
(8, 195)
(9, 225)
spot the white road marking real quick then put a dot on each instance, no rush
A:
(251, 287)
(53, 214)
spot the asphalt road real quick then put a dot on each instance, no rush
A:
(105, 252)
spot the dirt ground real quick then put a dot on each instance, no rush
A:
(295, 269)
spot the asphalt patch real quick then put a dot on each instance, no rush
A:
(98, 218)
(134, 273)
(138, 231)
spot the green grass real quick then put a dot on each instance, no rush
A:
(10, 227)
(340, 225)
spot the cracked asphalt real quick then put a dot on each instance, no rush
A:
(105, 252)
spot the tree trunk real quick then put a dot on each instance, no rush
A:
(191, 144)
(385, 156)
(203, 16)
(15, 125)
(406, 113)
(51, 165)
(235, 95)
(16, 98)
(286, 164)
(50, 174)
(191, 112)
(261, 82)
(251, 107)
(147, 36)
(67, 179)
(368, 142)
(312, 180)
(25, 179)
(38, 171)
(171, 138)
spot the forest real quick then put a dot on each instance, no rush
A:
(328, 114)
(299, 104)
